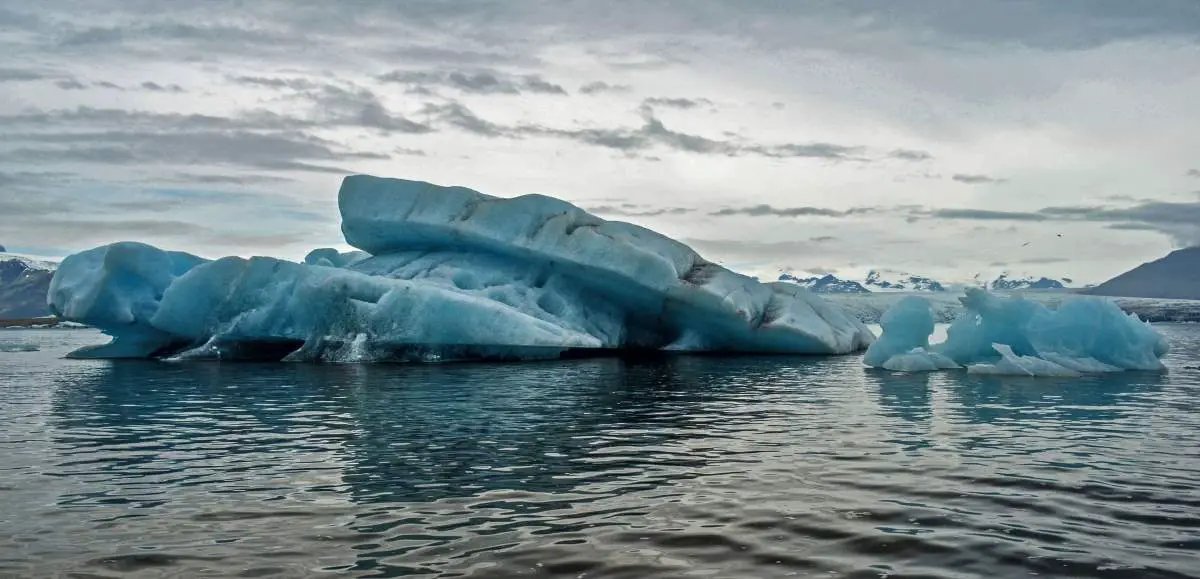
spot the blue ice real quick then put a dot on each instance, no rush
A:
(444, 273)
(997, 335)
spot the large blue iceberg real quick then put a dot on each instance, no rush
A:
(444, 273)
(1014, 336)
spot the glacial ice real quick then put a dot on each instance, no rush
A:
(445, 273)
(906, 327)
(1010, 364)
(919, 360)
(1020, 337)
(117, 288)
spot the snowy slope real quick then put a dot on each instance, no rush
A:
(23, 285)
(825, 284)
(1007, 282)
(887, 281)
(883, 280)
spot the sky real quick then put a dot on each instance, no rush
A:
(1051, 137)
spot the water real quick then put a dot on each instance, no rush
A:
(682, 467)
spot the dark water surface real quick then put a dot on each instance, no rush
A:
(681, 467)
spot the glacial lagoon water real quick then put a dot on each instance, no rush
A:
(674, 467)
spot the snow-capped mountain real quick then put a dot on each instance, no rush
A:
(895, 281)
(1006, 283)
(826, 284)
(888, 281)
(23, 286)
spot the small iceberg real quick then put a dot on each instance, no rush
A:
(15, 347)
(1018, 337)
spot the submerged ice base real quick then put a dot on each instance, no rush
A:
(1014, 336)
(445, 273)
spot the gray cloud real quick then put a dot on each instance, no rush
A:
(69, 84)
(31, 177)
(255, 139)
(626, 210)
(151, 205)
(107, 84)
(983, 214)
(675, 103)
(82, 117)
(817, 270)
(155, 87)
(910, 155)
(225, 38)
(462, 118)
(478, 82)
(537, 84)
(810, 150)
(86, 232)
(443, 55)
(597, 87)
(1045, 260)
(750, 248)
(1063, 25)
(822, 239)
(20, 75)
(1193, 173)
(282, 152)
(1180, 221)
(337, 104)
(360, 107)
(207, 179)
(12, 205)
(977, 179)
(769, 211)
(932, 46)
(259, 239)
(652, 133)
(274, 82)
(68, 229)
(1132, 227)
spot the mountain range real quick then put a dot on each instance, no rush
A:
(1176, 276)
(24, 283)
(881, 281)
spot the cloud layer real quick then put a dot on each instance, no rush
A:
(819, 135)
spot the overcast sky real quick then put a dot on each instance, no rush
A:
(1051, 137)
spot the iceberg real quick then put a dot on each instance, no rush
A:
(1010, 364)
(445, 273)
(1014, 336)
(117, 288)
(907, 326)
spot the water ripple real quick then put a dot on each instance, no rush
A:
(680, 467)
